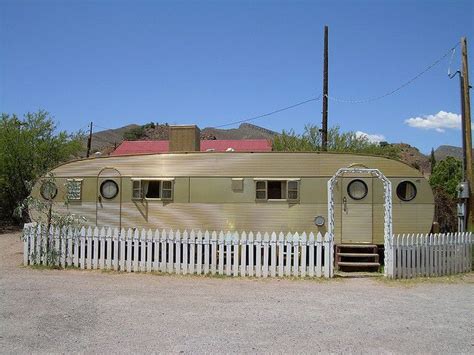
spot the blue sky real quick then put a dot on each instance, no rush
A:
(215, 62)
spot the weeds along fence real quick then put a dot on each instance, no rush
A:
(194, 252)
(413, 255)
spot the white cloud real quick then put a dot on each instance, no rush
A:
(438, 122)
(373, 138)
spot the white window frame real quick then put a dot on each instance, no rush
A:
(161, 180)
(287, 180)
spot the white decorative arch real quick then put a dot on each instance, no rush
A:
(387, 184)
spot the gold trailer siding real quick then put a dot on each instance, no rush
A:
(204, 197)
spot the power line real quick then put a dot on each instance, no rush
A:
(270, 113)
(96, 125)
(370, 99)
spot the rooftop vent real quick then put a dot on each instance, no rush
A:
(185, 139)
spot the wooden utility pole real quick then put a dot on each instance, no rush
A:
(89, 141)
(467, 133)
(324, 128)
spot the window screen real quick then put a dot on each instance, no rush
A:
(357, 189)
(74, 189)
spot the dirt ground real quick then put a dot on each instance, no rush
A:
(93, 311)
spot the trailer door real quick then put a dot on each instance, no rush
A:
(356, 211)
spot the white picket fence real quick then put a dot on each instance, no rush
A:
(194, 252)
(413, 255)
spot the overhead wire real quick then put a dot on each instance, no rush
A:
(332, 98)
(270, 113)
(370, 99)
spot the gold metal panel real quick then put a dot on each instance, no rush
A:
(204, 198)
(234, 165)
(356, 214)
(357, 223)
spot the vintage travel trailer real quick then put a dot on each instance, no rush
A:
(188, 189)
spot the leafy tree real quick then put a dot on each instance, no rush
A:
(29, 147)
(344, 142)
(445, 210)
(134, 134)
(445, 178)
(447, 174)
(432, 160)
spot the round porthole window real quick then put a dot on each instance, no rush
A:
(406, 191)
(357, 189)
(109, 189)
(48, 190)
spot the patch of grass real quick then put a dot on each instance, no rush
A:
(44, 267)
(451, 279)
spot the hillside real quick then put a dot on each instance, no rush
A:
(444, 151)
(104, 141)
(413, 157)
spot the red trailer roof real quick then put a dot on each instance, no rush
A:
(147, 147)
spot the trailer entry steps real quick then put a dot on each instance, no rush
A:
(357, 257)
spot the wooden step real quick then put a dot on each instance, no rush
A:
(363, 264)
(356, 246)
(358, 255)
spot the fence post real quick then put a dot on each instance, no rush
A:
(69, 250)
(26, 242)
(243, 254)
(288, 255)
(281, 249)
(273, 251)
(250, 248)
(319, 254)
(177, 253)
(163, 250)
(235, 246)
(206, 252)
(327, 255)
(311, 244)
(108, 247)
(149, 250)
(199, 253)
(266, 241)
(169, 264)
(296, 254)
(121, 253)
(116, 245)
(213, 253)
(221, 253)
(303, 244)
(228, 253)
(192, 241)
(185, 263)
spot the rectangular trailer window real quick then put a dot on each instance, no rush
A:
(152, 189)
(274, 190)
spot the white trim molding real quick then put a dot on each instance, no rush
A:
(387, 184)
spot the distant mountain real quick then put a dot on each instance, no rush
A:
(245, 131)
(444, 151)
(413, 157)
(104, 141)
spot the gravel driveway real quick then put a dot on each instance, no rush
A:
(95, 311)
